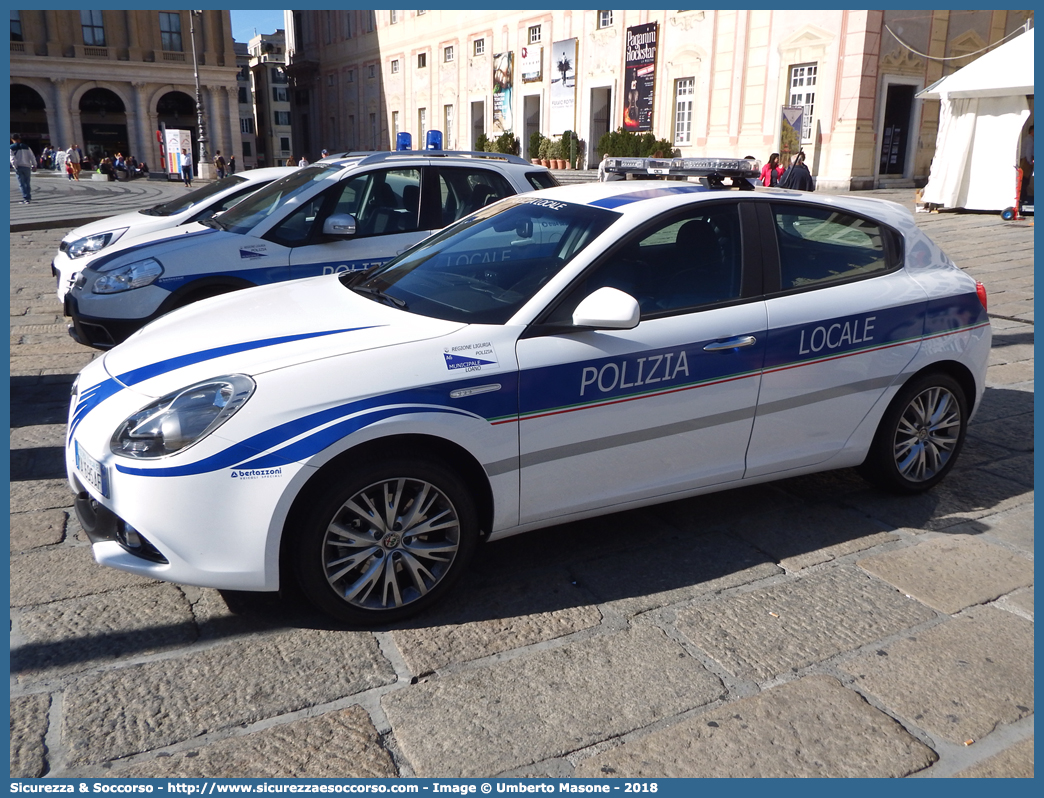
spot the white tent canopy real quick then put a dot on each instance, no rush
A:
(982, 113)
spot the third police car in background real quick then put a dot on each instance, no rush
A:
(342, 214)
(555, 356)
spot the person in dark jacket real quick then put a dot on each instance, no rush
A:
(797, 177)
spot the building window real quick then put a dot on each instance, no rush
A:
(243, 74)
(370, 18)
(330, 79)
(447, 122)
(248, 151)
(480, 47)
(170, 31)
(395, 127)
(246, 125)
(373, 132)
(448, 53)
(16, 26)
(347, 17)
(803, 93)
(395, 66)
(371, 71)
(279, 94)
(351, 76)
(534, 34)
(605, 19)
(282, 118)
(284, 145)
(422, 60)
(244, 95)
(351, 131)
(393, 17)
(421, 13)
(422, 124)
(278, 75)
(93, 28)
(684, 90)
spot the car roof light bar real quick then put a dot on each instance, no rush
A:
(713, 168)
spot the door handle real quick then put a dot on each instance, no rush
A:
(731, 343)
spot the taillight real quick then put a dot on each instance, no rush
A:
(980, 289)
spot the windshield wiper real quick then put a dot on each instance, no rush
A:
(377, 294)
(212, 222)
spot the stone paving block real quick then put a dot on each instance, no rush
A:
(40, 494)
(33, 530)
(68, 571)
(793, 624)
(1019, 601)
(1018, 469)
(951, 573)
(1012, 763)
(723, 508)
(809, 728)
(341, 744)
(1014, 528)
(491, 719)
(1010, 354)
(77, 634)
(28, 729)
(142, 707)
(958, 680)
(674, 569)
(1013, 432)
(808, 535)
(475, 622)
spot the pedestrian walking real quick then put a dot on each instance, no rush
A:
(303, 161)
(798, 177)
(232, 164)
(186, 168)
(74, 158)
(772, 171)
(23, 159)
(219, 164)
(324, 153)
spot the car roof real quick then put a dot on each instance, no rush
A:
(375, 157)
(267, 172)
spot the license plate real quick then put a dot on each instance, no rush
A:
(95, 474)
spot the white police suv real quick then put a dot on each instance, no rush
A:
(558, 355)
(80, 246)
(346, 214)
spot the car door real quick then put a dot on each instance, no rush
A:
(385, 204)
(612, 416)
(844, 320)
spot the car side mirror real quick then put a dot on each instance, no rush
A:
(608, 309)
(339, 224)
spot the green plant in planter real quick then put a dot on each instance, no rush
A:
(482, 143)
(507, 144)
(535, 139)
(545, 149)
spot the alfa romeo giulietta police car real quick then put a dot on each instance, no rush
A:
(80, 246)
(555, 356)
(345, 214)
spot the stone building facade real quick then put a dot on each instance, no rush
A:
(107, 79)
(713, 82)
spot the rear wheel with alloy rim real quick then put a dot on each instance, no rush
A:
(387, 541)
(920, 435)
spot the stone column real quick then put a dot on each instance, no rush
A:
(235, 146)
(141, 148)
(218, 121)
(58, 120)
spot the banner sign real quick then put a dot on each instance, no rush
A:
(790, 132)
(639, 76)
(563, 86)
(532, 64)
(178, 140)
(503, 70)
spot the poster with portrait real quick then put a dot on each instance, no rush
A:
(503, 71)
(639, 77)
(563, 86)
(790, 132)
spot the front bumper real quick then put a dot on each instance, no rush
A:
(103, 525)
(100, 333)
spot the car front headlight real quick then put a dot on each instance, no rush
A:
(180, 419)
(114, 279)
(90, 244)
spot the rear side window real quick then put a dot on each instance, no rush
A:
(820, 246)
(542, 179)
(463, 191)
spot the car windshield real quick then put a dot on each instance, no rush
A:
(246, 215)
(193, 198)
(484, 268)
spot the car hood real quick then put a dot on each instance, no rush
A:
(259, 330)
(131, 219)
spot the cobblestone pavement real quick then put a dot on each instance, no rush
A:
(811, 627)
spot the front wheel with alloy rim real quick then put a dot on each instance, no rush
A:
(920, 435)
(386, 541)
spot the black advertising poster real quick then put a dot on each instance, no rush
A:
(639, 76)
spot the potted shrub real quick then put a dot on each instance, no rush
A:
(545, 152)
(534, 146)
(556, 155)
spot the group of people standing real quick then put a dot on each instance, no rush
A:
(796, 176)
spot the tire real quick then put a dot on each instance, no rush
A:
(920, 435)
(1008, 214)
(353, 567)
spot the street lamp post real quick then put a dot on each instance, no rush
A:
(204, 159)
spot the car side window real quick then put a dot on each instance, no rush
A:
(683, 263)
(296, 229)
(819, 246)
(382, 202)
(464, 190)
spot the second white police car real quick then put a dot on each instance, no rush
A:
(556, 356)
(343, 214)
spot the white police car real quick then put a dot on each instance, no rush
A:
(80, 246)
(340, 215)
(558, 355)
